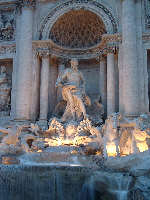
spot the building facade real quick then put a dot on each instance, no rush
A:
(111, 40)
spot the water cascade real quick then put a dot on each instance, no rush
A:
(61, 183)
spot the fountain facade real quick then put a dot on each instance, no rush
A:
(74, 99)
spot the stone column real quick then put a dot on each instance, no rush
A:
(121, 79)
(35, 105)
(103, 82)
(15, 66)
(52, 85)
(24, 52)
(61, 67)
(44, 87)
(110, 83)
(131, 83)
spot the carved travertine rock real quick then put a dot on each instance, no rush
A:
(18, 138)
(124, 136)
(111, 136)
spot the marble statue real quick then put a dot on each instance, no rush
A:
(4, 90)
(73, 92)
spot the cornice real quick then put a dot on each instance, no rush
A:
(109, 44)
(8, 6)
(7, 48)
(7, 2)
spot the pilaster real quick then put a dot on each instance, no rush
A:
(44, 87)
(24, 63)
(131, 83)
(103, 81)
(110, 83)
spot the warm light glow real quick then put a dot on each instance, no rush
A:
(111, 149)
(142, 146)
(140, 138)
(58, 142)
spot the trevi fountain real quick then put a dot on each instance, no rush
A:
(74, 99)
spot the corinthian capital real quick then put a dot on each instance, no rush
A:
(43, 52)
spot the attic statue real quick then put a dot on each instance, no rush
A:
(73, 92)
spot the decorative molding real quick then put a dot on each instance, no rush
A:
(26, 4)
(112, 38)
(111, 49)
(77, 29)
(101, 58)
(7, 49)
(43, 52)
(108, 43)
(43, 1)
(147, 13)
(146, 37)
(91, 5)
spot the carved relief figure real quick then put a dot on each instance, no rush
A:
(73, 92)
(7, 27)
(4, 90)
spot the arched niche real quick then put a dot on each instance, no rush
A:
(77, 29)
(93, 6)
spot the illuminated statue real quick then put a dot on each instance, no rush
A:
(73, 92)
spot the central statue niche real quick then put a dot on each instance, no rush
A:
(73, 92)
(78, 105)
(76, 119)
(77, 29)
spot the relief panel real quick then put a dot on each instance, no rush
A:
(7, 25)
